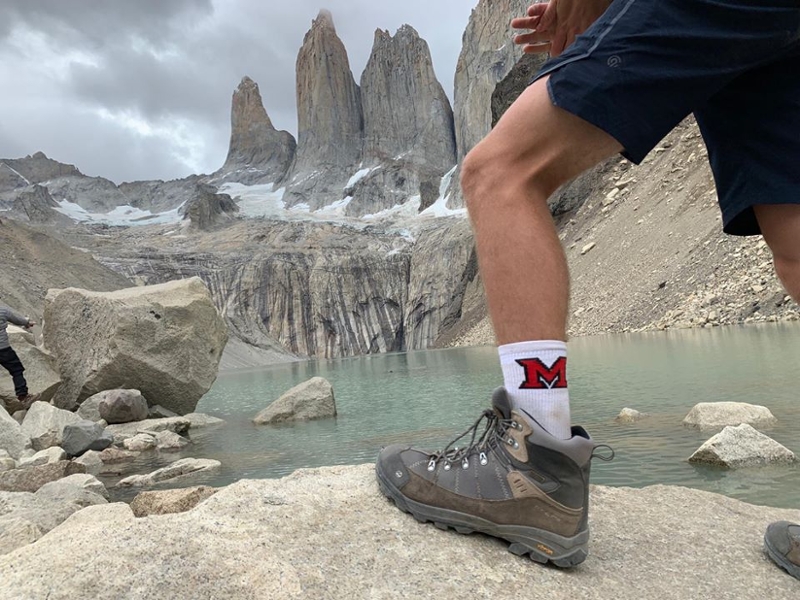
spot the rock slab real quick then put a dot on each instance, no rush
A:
(305, 402)
(364, 548)
(165, 502)
(164, 340)
(176, 471)
(32, 478)
(742, 446)
(716, 415)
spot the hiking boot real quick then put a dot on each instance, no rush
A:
(513, 481)
(782, 543)
(22, 403)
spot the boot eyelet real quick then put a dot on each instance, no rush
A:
(484, 459)
(517, 426)
(465, 464)
(432, 465)
(516, 445)
(447, 466)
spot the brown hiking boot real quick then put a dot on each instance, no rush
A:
(22, 403)
(514, 481)
(782, 543)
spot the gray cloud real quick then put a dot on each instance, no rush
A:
(140, 90)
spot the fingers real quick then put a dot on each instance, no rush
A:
(533, 38)
(537, 10)
(525, 23)
(537, 48)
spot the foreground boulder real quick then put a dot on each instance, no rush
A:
(742, 446)
(164, 340)
(716, 415)
(31, 479)
(305, 402)
(122, 406)
(40, 368)
(12, 439)
(251, 540)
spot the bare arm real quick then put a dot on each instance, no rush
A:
(554, 25)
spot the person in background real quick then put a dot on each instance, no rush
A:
(11, 362)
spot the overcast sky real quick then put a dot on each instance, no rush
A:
(141, 89)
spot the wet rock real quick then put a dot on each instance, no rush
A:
(179, 425)
(113, 456)
(716, 415)
(629, 415)
(170, 501)
(200, 420)
(307, 401)
(742, 446)
(177, 471)
(159, 412)
(141, 442)
(91, 461)
(122, 406)
(168, 441)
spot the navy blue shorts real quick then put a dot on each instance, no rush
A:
(645, 65)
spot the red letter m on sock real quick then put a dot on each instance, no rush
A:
(540, 377)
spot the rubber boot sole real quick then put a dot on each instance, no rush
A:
(780, 560)
(541, 546)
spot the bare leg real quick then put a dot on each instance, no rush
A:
(780, 224)
(507, 180)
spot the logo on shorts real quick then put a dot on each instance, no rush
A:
(539, 376)
(614, 61)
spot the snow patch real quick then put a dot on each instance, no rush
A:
(17, 173)
(121, 216)
(358, 177)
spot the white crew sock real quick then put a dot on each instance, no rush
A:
(535, 376)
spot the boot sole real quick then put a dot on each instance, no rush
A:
(542, 546)
(781, 561)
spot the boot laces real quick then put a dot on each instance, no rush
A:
(494, 433)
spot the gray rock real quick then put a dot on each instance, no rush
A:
(16, 532)
(633, 549)
(113, 456)
(177, 471)
(742, 446)
(257, 152)
(44, 457)
(208, 209)
(307, 401)
(91, 461)
(629, 415)
(179, 425)
(330, 120)
(32, 478)
(72, 489)
(37, 206)
(7, 463)
(40, 369)
(165, 502)
(44, 424)
(168, 441)
(19, 416)
(164, 340)
(200, 420)
(90, 408)
(716, 415)
(12, 438)
(83, 436)
(122, 406)
(159, 412)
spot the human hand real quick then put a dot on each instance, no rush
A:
(554, 25)
(30, 324)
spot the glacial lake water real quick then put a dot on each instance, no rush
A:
(427, 397)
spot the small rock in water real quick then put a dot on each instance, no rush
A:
(140, 442)
(742, 446)
(91, 461)
(200, 420)
(178, 470)
(112, 456)
(170, 441)
(307, 401)
(629, 415)
(716, 415)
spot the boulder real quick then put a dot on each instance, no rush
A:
(307, 401)
(169, 441)
(164, 340)
(83, 436)
(91, 461)
(12, 438)
(141, 442)
(742, 446)
(53, 454)
(165, 502)
(19, 416)
(252, 538)
(177, 471)
(179, 425)
(72, 488)
(90, 408)
(32, 478)
(113, 456)
(44, 424)
(16, 532)
(629, 415)
(40, 368)
(716, 415)
(122, 406)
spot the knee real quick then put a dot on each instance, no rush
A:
(787, 268)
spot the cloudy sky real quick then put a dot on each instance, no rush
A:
(141, 89)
